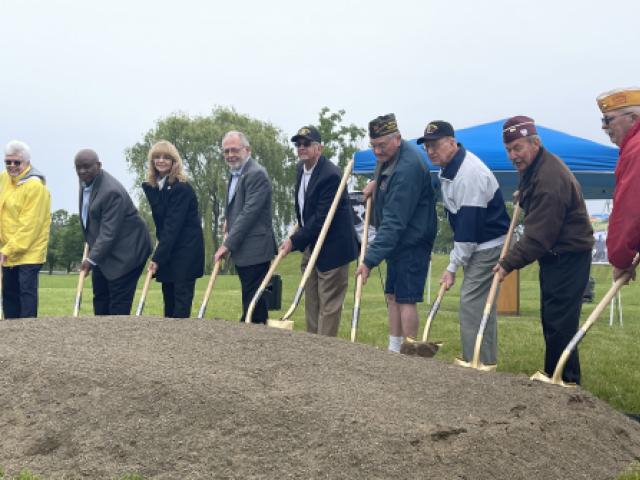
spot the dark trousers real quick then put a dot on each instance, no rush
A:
(562, 282)
(178, 297)
(250, 278)
(20, 291)
(114, 297)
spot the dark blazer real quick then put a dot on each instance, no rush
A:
(117, 236)
(180, 250)
(250, 237)
(340, 245)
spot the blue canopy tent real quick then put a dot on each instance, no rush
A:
(592, 163)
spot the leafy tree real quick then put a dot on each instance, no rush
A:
(66, 241)
(340, 141)
(198, 140)
(59, 219)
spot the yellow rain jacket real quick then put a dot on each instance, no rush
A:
(25, 217)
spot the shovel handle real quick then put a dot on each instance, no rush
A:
(207, 293)
(432, 312)
(81, 277)
(323, 233)
(363, 251)
(491, 298)
(265, 282)
(143, 295)
(591, 319)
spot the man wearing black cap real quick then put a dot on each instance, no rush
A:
(557, 233)
(475, 208)
(405, 218)
(317, 182)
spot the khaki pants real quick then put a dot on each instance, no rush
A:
(323, 297)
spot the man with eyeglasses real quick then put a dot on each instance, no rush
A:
(117, 236)
(25, 217)
(317, 181)
(557, 233)
(475, 208)
(405, 218)
(621, 111)
(248, 221)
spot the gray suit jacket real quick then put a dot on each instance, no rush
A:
(117, 236)
(250, 237)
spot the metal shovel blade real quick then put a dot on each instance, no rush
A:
(281, 324)
(479, 366)
(421, 349)
(543, 377)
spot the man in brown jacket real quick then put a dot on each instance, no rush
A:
(557, 233)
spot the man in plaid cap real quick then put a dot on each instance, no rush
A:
(405, 218)
(620, 120)
(557, 233)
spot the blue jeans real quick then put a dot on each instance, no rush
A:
(20, 291)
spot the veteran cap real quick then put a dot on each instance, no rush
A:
(619, 98)
(436, 130)
(518, 127)
(307, 133)
(383, 125)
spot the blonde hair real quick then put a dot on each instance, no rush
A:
(165, 148)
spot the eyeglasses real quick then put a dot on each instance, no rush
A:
(232, 151)
(304, 143)
(379, 146)
(607, 120)
(13, 163)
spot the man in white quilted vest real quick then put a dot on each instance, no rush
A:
(475, 208)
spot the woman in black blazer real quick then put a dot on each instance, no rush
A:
(179, 257)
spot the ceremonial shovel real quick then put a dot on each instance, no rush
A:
(284, 322)
(81, 277)
(475, 362)
(363, 251)
(207, 293)
(425, 348)
(265, 282)
(556, 379)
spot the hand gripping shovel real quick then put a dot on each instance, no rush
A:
(285, 323)
(363, 251)
(81, 277)
(207, 293)
(475, 362)
(265, 282)
(556, 379)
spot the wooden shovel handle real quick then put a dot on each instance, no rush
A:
(265, 281)
(363, 251)
(81, 277)
(323, 234)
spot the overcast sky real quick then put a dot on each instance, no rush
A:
(81, 74)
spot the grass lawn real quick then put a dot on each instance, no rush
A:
(609, 355)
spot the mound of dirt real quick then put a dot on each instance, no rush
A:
(185, 399)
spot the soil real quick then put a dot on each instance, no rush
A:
(188, 399)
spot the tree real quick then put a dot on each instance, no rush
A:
(340, 141)
(66, 241)
(198, 141)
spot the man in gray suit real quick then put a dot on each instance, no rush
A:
(118, 239)
(248, 221)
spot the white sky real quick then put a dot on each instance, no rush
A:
(78, 74)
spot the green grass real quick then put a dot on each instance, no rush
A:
(609, 355)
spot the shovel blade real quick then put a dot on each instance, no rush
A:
(281, 324)
(543, 377)
(480, 366)
(421, 349)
